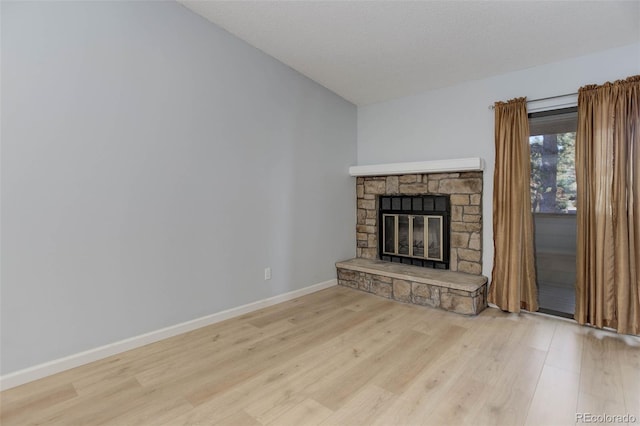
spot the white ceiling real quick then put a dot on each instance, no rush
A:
(371, 51)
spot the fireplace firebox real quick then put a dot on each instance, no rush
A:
(415, 230)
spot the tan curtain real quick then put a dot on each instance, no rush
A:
(513, 280)
(608, 181)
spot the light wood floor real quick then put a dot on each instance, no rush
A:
(343, 357)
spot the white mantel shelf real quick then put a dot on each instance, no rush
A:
(435, 166)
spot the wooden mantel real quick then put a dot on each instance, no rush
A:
(434, 166)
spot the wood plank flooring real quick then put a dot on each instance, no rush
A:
(344, 357)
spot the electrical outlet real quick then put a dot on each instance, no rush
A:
(267, 274)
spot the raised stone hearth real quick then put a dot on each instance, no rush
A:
(452, 291)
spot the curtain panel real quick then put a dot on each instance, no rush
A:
(608, 210)
(513, 279)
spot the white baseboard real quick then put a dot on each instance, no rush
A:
(39, 371)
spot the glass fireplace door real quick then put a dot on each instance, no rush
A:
(407, 235)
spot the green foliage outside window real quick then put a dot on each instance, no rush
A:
(553, 173)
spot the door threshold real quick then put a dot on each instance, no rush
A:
(555, 313)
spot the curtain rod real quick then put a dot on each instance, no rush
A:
(544, 99)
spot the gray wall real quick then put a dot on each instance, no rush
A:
(152, 166)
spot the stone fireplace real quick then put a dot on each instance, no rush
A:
(419, 234)
(464, 190)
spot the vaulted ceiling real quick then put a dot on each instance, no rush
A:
(371, 51)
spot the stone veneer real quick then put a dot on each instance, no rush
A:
(465, 191)
(452, 291)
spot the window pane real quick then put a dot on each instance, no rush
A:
(553, 176)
